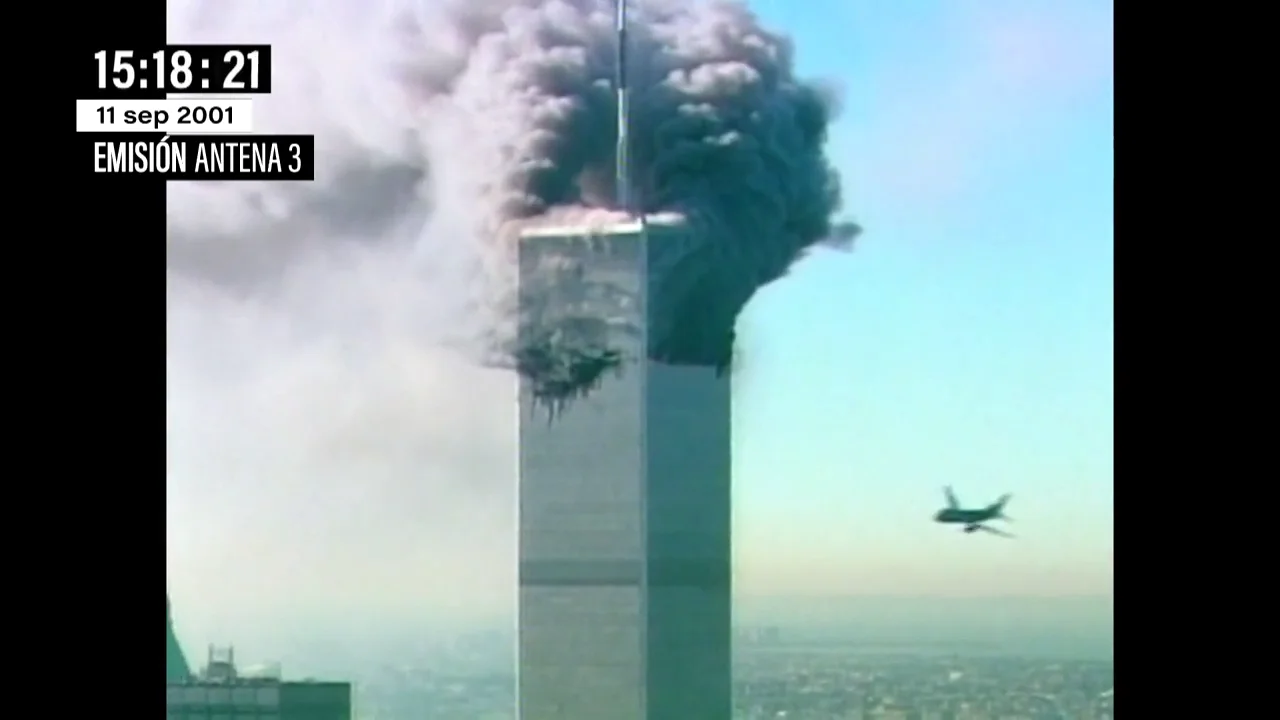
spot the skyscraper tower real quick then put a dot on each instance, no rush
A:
(624, 504)
(176, 663)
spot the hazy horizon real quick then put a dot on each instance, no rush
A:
(1068, 627)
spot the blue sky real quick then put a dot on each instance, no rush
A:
(968, 340)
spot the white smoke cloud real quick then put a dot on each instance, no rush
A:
(327, 452)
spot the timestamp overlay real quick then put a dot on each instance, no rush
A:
(203, 130)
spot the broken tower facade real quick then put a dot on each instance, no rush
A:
(624, 500)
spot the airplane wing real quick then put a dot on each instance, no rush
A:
(993, 531)
(952, 502)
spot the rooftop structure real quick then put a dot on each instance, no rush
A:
(220, 691)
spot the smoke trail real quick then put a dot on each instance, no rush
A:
(313, 328)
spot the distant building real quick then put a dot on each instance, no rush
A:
(260, 699)
(177, 669)
(220, 693)
(624, 531)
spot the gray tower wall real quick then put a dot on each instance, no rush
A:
(688, 532)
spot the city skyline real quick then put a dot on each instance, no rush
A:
(326, 464)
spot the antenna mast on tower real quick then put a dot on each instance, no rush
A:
(622, 170)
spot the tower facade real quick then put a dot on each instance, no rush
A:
(624, 598)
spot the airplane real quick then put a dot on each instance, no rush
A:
(974, 519)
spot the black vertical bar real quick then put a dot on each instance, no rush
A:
(106, 334)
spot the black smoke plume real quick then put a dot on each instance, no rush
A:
(504, 119)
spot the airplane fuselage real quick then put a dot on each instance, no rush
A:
(973, 519)
(964, 517)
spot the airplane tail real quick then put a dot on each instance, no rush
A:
(952, 501)
(998, 507)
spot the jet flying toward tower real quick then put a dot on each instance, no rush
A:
(974, 519)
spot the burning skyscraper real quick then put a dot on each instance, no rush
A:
(624, 493)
